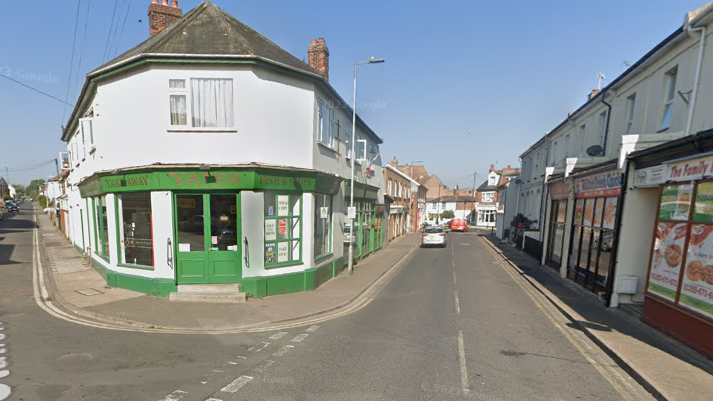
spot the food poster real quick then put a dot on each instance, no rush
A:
(588, 213)
(578, 211)
(697, 289)
(269, 253)
(609, 212)
(598, 210)
(270, 230)
(676, 202)
(283, 205)
(703, 207)
(667, 258)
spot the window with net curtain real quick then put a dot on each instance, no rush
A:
(210, 103)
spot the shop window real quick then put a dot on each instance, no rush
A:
(283, 229)
(101, 229)
(135, 229)
(322, 225)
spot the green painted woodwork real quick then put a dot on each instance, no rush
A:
(292, 282)
(361, 191)
(218, 178)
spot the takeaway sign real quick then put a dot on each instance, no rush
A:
(598, 185)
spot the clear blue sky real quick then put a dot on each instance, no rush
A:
(466, 84)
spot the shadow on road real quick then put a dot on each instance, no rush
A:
(592, 309)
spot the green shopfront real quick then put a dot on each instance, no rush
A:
(271, 230)
(368, 233)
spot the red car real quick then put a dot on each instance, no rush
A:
(459, 225)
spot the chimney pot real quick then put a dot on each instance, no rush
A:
(162, 15)
(318, 55)
(593, 93)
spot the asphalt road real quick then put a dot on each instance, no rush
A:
(452, 324)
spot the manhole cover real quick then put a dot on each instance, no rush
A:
(51, 244)
(89, 292)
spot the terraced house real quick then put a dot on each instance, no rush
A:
(209, 155)
(626, 187)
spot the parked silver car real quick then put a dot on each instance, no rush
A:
(433, 235)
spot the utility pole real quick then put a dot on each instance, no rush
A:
(475, 175)
(56, 166)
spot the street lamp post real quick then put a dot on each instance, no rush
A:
(352, 212)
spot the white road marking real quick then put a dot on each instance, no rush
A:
(175, 396)
(236, 384)
(259, 347)
(218, 371)
(233, 363)
(299, 338)
(455, 282)
(213, 399)
(282, 351)
(241, 357)
(455, 292)
(463, 368)
(278, 336)
(312, 329)
(204, 382)
(263, 365)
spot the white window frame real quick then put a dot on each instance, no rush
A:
(187, 93)
(668, 97)
(488, 197)
(389, 187)
(178, 91)
(86, 126)
(630, 105)
(360, 149)
(326, 121)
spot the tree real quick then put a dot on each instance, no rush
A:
(19, 190)
(34, 188)
(447, 214)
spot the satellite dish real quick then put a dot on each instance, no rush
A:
(518, 181)
(595, 150)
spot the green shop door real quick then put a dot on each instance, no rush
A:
(208, 239)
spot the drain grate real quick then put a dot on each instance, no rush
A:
(89, 292)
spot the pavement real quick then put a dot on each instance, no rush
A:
(668, 369)
(83, 294)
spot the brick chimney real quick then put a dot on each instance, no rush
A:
(162, 15)
(394, 162)
(318, 54)
(592, 94)
(492, 167)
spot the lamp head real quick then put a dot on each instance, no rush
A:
(373, 60)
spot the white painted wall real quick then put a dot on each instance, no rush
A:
(162, 227)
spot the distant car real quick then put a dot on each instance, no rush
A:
(12, 206)
(459, 225)
(447, 225)
(607, 238)
(433, 235)
(345, 236)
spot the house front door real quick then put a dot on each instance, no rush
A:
(208, 237)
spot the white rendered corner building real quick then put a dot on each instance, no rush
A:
(200, 157)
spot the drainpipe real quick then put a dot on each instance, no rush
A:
(696, 76)
(615, 238)
(606, 124)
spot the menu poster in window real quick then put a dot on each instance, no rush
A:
(609, 213)
(269, 253)
(283, 251)
(270, 230)
(282, 228)
(283, 205)
(579, 211)
(697, 289)
(703, 208)
(675, 202)
(666, 260)
(598, 210)
(588, 212)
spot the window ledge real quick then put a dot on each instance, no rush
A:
(326, 147)
(323, 257)
(202, 129)
(283, 264)
(140, 267)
